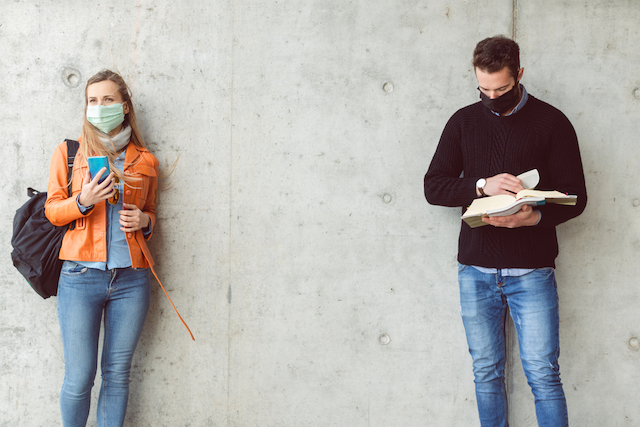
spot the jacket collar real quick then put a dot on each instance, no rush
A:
(135, 161)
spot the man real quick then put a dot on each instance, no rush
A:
(509, 262)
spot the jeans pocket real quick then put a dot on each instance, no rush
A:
(544, 272)
(70, 268)
(461, 267)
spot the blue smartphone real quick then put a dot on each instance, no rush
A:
(95, 164)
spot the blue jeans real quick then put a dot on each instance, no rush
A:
(83, 295)
(533, 302)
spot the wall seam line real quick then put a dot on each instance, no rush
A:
(514, 20)
(229, 289)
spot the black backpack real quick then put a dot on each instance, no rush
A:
(36, 242)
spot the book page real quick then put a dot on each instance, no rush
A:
(530, 178)
(541, 193)
(481, 206)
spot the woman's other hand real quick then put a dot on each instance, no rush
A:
(132, 218)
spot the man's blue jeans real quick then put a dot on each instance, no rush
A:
(83, 295)
(533, 302)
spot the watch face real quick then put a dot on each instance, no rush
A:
(481, 183)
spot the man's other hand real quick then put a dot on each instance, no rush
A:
(526, 217)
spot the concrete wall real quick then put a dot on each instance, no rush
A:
(296, 241)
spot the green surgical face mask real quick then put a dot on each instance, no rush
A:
(105, 117)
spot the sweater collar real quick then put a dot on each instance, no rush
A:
(522, 111)
(521, 104)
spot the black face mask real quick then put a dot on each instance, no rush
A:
(503, 103)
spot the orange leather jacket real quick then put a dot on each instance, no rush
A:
(88, 241)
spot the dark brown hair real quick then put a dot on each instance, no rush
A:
(494, 53)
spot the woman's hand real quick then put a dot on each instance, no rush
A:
(132, 218)
(94, 192)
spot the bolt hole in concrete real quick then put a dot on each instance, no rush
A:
(386, 197)
(636, 93)
(71, 77)
(636, 202)
(387, 87)
(384, 339)
(634, 343)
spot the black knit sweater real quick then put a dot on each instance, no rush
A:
(478, 144)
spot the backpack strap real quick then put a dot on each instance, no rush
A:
(72, 150)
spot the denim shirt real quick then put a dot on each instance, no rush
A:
(117, 248)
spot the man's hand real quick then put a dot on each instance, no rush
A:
(503, 183)
(523, 218)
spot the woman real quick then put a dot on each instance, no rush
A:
(106, 268)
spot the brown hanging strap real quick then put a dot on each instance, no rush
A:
(147, 255)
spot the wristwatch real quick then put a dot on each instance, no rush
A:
(480, 185)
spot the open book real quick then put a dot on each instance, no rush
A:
(503, 204)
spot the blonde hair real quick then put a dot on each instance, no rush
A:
(91, 143)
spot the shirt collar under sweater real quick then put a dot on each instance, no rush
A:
(523, 100)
